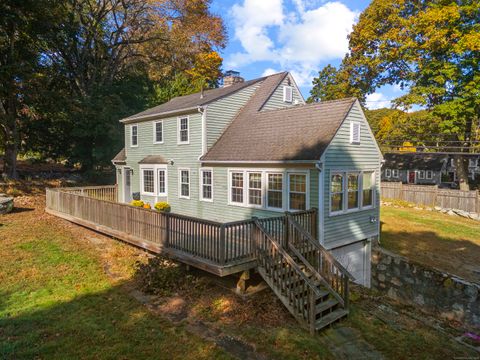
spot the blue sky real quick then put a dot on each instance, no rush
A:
(300, 36)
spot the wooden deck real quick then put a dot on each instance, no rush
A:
(219, 248)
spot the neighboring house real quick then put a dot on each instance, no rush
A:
(414, 168)
(255, 149)
(473, 168)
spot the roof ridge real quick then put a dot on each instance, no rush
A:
(299, 106)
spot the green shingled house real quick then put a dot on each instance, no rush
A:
(256, 149)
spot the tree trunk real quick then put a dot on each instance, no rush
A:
(461, 164)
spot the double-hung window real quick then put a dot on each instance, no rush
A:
(158, 132)
(388, 173)
(236, 190)
(161, 182)
(395, 173)
(184, 177)
(206, 184)
(275, 190)
(336, 193)
(134, 135)
(297, 191)
(421, 174)
(429, 174)
(183, 129)
(353, 191)
(368, 183)
(148, 181)
(255, 188)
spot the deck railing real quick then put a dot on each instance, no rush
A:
(214, 242)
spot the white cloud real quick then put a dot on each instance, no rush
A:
(377, 100)
(269, 71)
(300, 40)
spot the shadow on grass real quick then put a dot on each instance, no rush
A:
(108, 324)
(456, 256)
(20, 210)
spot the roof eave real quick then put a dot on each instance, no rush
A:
(160, 115)
(206, 161)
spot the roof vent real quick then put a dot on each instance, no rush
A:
(232, 77)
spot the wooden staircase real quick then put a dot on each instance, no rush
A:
(311, 284)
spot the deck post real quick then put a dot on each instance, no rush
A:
(222, 244)
(167, 229)
(286, 229)
(314, 218)
(242, 282)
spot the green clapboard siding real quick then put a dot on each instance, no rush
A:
(220, 113)
(341, 155)
(276, 100)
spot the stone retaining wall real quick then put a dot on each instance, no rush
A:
(431, 289)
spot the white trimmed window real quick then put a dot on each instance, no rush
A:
(388, 173)
(336, 193)
(355, 132)
(148, 181)
(353, 187)
(473, 163)
(254, 184)
(421, 174)
(429, 174)
(134, 135)
(183, 130)
(162, 182)
(158, 132)
(297, 191)
(236, 187)
(351, 191)
(287, 94)
(184, 177)
(368, 187)
(275, 190)
(206, 184)
(395, 173)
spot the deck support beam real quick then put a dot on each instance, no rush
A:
(242, 282)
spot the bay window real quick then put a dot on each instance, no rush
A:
(236, 187)
(336, 193)
(161, 182)
(297, 191)
(352, 189)
(255, 189)
(368, 187)
(148, 181)
(275, 191)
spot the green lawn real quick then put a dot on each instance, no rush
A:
(450, 243)
(64, 296)
(57, 302)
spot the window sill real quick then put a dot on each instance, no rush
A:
(351, 211)
(184, 197)
(183, 143)
(157, 142)
(207, 200)
(133, 146)
(147, 194)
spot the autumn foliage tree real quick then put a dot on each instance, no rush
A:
(431, 49)
(96, 62)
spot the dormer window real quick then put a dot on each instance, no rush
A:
(355, 132)
(287, 94)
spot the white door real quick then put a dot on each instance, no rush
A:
(127, 187)
(356, 258)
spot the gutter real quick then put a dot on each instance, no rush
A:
(260, 161)
(203, 110)
(158, 115)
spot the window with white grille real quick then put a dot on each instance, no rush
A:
(287, 94)
(355, 132)
(184, 183)
(206, 181)
(134, 135)
(183, 135)
(158, 132)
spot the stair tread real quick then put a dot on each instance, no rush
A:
(325, 305)
(330, 318)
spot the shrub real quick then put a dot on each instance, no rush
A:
(162, 206)
(137, 203)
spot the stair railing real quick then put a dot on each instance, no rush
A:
(319, 261)
(286, 278)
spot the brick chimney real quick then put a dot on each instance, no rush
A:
(232, 77)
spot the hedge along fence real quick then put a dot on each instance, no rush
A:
(431, 195)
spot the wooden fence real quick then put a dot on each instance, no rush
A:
(431, 195)
(194, 239)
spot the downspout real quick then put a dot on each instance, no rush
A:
(321, 204)
(203, 110)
